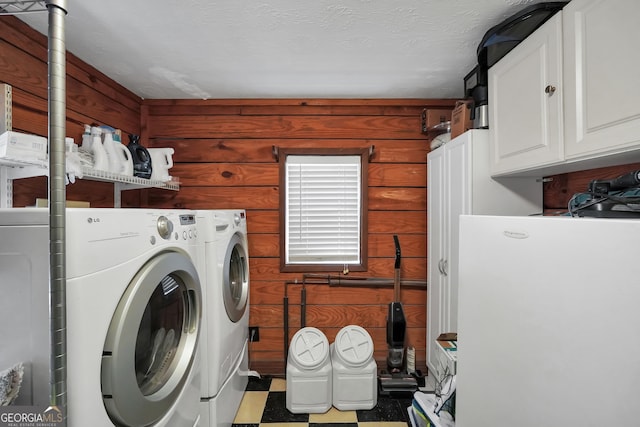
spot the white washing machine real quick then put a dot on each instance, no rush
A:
(225, 332)
(24, 306)
(133, 313)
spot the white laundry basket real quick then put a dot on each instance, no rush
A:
(309, 373)
(355, 373)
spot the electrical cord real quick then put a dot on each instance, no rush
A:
(443, 395)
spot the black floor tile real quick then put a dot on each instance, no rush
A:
(404, 404)
(245, 425)
(387, 409)
(258, 384)
(275, 410)
(333, 424)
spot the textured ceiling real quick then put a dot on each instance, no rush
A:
(282, 48)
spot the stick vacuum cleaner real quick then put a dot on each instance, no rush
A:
(396, 380)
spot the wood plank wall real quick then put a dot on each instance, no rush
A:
(223, 158)
(92, 97)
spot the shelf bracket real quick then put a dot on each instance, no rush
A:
(117, 194)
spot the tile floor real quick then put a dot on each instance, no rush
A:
(264, 405)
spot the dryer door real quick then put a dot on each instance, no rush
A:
(236, 278)
(151, 344)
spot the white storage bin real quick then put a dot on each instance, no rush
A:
(355, 373)
(22, 146)
(309, 373)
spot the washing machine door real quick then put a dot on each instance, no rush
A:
(236, 278)
(151, 344)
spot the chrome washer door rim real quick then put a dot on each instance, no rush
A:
(123, 399)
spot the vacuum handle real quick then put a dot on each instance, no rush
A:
(398, 252)
(396, 278)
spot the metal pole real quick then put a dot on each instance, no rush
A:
(303, 306)
(57, 204)
(285, 307)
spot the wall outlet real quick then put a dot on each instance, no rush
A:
(254, 333)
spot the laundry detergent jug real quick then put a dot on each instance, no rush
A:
(162, 159)
(141, 158)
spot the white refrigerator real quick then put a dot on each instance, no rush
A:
(548, 322)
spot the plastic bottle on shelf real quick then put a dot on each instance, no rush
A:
(86, 139)
(123, 154)
(115, 164)
(162, 161)
(142, 163)
(100, 159)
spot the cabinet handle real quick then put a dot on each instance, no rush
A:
(442, 266)
(550, 90)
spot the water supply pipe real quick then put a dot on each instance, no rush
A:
(285, 304)
(367, 282)
(333, 281)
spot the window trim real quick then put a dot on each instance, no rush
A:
(364, 207)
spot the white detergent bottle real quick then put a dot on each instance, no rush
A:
(86, 139)
(115, 165)
(124, 155)
(161, 162)
(100, 159)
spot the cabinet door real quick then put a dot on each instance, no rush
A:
(449, 173)
(525, 102)
(436, 235)
(602, 112)
(458, 201)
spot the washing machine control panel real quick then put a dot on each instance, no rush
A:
(182, 227)
(188, 233)
(165, 227)
(187, 219)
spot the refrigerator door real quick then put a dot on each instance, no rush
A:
(549, 312)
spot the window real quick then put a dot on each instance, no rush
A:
(323, 200)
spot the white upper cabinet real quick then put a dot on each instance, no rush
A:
(602, 72)
(566, 98)
(525, 102)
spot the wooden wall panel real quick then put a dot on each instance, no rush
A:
(224, 158)
(199, 150)
(379, 127)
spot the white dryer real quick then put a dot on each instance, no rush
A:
(134, 315)
(224, 349)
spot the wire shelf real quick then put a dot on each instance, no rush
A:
(18, 7)
(16, 162)
(130, 181)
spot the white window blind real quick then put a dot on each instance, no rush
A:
(323, 209)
